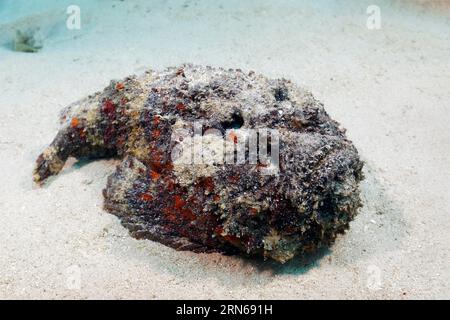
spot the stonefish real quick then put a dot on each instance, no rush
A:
(288, 191)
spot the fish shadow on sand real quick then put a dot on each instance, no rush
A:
(73, 165)
(297, 265)
(379, 228)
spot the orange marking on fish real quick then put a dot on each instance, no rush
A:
(233, 136)
(147, 197)
(74, 122)
(155, 175)
(180, 107)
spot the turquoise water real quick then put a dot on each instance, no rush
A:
(225, 32)
(211, 19)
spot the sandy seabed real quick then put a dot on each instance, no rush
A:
(389, 87)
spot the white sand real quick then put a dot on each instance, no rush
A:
(390, 88)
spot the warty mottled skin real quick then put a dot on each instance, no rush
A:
(221, 207)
